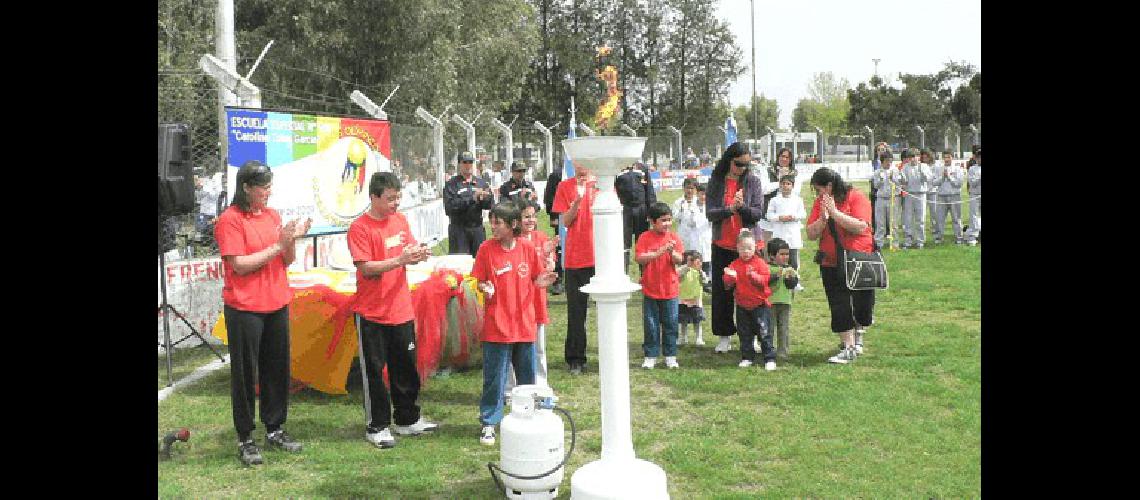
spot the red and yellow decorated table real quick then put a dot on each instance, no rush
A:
(322, 330)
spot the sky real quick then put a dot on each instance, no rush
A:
(795, 39)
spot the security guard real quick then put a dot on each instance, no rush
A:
(465, 197)
(517, 187)
(635, 190)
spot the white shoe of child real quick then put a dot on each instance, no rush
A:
(744, 363)
(724, 345)
(700, 341)
(648, 363)
(671, 362)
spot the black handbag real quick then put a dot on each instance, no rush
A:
(861, 270)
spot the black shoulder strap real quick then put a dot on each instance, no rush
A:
(835, 236)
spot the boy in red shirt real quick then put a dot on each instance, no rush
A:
(510, 272)
(749, 275)
(381, 244)
(573, 201)
(659, 251)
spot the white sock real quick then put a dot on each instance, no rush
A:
(700, 334)
(684, 332)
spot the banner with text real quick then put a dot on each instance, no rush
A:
(321, 164)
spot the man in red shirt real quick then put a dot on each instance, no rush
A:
(573, 201)
(659, 251)
(381, 244)
(749, 275)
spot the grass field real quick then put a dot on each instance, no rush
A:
(904, 420)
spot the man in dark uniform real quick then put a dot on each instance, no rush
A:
(635, 190)
(465, 197)
(552, 181)
(517, 187)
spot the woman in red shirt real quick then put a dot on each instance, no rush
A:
(849, 210)
(256, 249)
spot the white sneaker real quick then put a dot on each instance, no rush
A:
(843, 357)
(744, 363)
(799, 287)
(421, 426)
(648, 363)
(724, 345)
(487, 435)
(700, 341)
(859, 340)
(770, 366)
(671, 362)
(755, 345)
(382, 438)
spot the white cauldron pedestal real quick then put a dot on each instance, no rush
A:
(618, 474)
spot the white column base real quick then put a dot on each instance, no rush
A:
(619, 479)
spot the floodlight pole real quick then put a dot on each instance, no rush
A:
(548, 146)
(820, 144)
(370, 107)
(437, 143)
(871, 149)
(795, 147)
(680, 148)
(469, 126)
(508, 138)
(771, 144)
(977, 135)
(922, 136)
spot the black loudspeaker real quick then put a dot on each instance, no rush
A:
(175, 172)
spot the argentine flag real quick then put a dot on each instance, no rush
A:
(729, 130)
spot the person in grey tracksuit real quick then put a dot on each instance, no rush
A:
(948, 188)
(881, 183)
(974, 188)
(932, 191)
(916, 179)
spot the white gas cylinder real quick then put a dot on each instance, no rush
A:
(530, 444)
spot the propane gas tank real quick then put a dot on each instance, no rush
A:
(530, 444)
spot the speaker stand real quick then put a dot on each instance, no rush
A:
(165, 309)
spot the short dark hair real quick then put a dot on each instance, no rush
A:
(524, 203)
(381, 181)
(693, 254)
(689, 181)
(777, 244)
(508, 211)
(790, 178)
(702, 186)
(886, 156)
(254, 173)
(659, 210)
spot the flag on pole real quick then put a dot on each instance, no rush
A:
(567, 173)
(729, 130)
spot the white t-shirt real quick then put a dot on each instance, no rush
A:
(788, 231)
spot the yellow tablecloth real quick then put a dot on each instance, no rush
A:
(323, 334)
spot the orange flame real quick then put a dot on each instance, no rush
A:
(609, 106)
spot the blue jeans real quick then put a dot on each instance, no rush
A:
(497, 358)
(659, 314)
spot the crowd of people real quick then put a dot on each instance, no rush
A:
(736, 238)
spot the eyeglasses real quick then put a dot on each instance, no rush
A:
(741, 164)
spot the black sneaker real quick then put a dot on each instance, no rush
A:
(557, 288)
(279, 439)
(248, 453)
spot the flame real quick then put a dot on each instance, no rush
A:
(609, 106)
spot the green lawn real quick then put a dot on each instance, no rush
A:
(902, 421)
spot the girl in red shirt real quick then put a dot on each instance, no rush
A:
(838, 203)
(545, 248)
(509, 271)
(256, 249)
(749, 275)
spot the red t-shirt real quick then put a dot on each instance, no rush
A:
(243, 233)
(538, 240)
(659, 279)
(731, 226)
(509, 313)
(579, 251)
(383, 299)
(856, 205)
(750, 293)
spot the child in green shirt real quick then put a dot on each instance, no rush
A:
(689, 310)
(783, 281)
